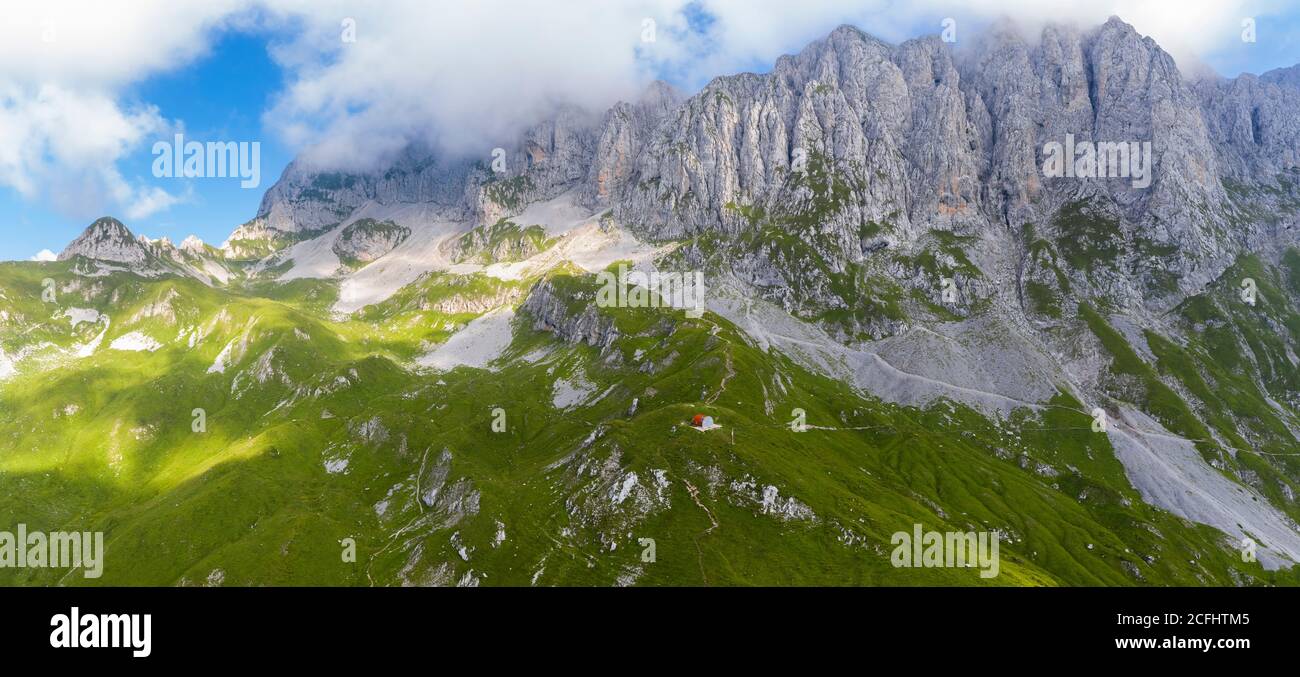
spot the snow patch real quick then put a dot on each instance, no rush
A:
(219, 364)
(568, 393)
(87, 349)
(79, 315)
(135, 342)
(479, 343)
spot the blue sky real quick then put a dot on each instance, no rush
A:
(259, 79)
(219, 98)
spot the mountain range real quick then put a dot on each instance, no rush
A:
(908, 321)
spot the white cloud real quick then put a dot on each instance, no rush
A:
(467, 74)
(44, 255)
(61, 145)
(149, 200)
(64, 124)
(103, 45)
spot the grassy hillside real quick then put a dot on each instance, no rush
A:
(318, 430)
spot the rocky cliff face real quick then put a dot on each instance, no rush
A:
(550, 158)
(1252, 123)
(551, 310)
(930, 142)
(624, 133)
(306, 200)
(365, 240)
(912, 138)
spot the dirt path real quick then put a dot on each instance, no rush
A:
(731, 371)
(695, 496)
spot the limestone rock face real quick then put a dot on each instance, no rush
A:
(365, 240)
(878, 145)
(306, 201)
(108, 240)
(1253, 124)
(550, 312)
(623, 135)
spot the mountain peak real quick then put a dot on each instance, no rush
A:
(847, 30)
(107, 239)
(192, 245)
(660, 94)
(1114, 22)
(106, 224)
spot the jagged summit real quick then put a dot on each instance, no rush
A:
(107, 239)
(660, 95)
(193, 245)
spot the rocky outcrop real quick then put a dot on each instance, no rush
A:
(499, 242)
(571, 317)
(365, 240)
(624, 133)
(108, 240)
